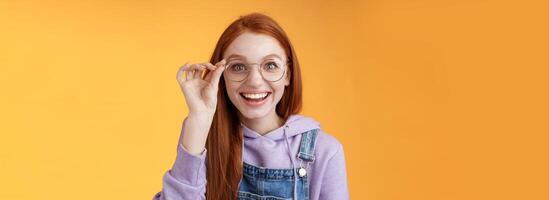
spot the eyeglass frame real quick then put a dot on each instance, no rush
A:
(288, 61)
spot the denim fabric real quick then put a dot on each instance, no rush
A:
(259, 183)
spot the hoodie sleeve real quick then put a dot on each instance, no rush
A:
(187, 177)
(334, 183)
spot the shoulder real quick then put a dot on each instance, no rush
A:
(327, 146)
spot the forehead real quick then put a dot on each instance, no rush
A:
(254, 46)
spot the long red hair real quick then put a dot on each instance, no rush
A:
(224, 142)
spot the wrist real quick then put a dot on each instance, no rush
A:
(201, 115)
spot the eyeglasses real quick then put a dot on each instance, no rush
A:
(271, 70)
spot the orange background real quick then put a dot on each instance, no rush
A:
(431, 99)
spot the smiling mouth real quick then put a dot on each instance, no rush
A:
(255, 97)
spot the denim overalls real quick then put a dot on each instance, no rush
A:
(259, 183)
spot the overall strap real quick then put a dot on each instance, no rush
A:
(307, 145)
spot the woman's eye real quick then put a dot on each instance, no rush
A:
(271, 66)
(238, 67)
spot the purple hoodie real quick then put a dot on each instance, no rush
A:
(328, 176)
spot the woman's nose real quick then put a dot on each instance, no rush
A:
(254, 77)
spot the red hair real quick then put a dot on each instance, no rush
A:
(224, 142)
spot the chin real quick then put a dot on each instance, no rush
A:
(254, 114)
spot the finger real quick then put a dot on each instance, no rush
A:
(216, 75)
(197, 70)
(195, 66)
(192, 71)
(186, 70)
(210, 74)
(189, 75)
(210, 66)
(221, 62)
(181, 72)
(203, 68)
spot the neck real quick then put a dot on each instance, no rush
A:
(263, 125)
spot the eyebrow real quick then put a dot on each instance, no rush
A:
(241, 56)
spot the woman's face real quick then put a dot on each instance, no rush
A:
(248, 95)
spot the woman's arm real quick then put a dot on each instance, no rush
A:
(334, 182)
(187, 177)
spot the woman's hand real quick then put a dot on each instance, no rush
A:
(201, 96)
(200, 92)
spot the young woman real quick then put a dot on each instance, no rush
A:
(243, 137)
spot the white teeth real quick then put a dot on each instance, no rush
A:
(255, 95)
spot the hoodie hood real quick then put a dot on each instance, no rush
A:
(295, 125)
(278, 148)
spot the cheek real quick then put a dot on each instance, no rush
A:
(279, 92)
(231, 91)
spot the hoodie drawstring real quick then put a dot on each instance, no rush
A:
(293, 162)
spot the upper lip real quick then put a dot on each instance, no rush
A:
(256, 92)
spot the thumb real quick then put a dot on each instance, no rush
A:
(216, 74)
